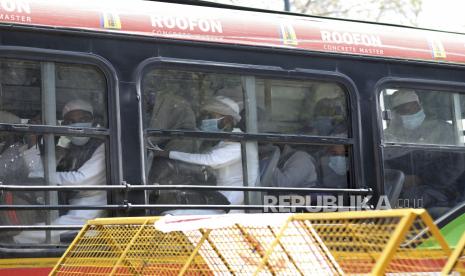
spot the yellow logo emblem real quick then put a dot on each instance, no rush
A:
(111, 21)
(438, 48)
(288, 34)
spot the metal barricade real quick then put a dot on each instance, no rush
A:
(367, 242)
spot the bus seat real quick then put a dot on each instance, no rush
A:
(393, 184)
(268, 164)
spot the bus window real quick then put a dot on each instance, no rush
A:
(230, 104)
(71, 97)
(296, 107)
(417, 125)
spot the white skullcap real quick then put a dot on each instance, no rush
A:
(401, 97)
(9, 118)
(329, 90)
(77, 105)
(224, 106)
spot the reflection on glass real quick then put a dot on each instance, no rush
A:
(173, 98)
(296, 107)
(27, 87)
(431, 179)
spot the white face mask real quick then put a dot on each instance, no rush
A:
(413, 121)
(80, 141)
(210, 125)
(338, 164)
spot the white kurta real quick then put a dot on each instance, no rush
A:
(225, 158)
(92, 172)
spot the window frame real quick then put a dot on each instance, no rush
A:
(413, 83)
(271, 72)
(111, 134)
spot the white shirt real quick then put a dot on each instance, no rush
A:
(225, 158)
(92, 172)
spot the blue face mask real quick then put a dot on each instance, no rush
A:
(80, 141)
(338, 164)
(323, 125)
(413, 121)
(210, 125)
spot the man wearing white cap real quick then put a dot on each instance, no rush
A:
(410, 124)
(219, 114)
(430, 176)
(82, 164)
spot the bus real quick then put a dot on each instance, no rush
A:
(134, 108)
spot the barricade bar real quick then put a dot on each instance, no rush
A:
(175, 206)
(394, 242)
(39, 227)
(179, 187)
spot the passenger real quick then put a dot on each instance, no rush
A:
(410, 124)
(175, 113)
(430, 176)
(334, 168)
(220, 114)
(7, 139)
(330, 120)
(295, 169)
(169, 112)
(82, 164)
(12, 167)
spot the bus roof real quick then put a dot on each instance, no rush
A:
(228, 26)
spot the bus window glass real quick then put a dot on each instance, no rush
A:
(230, 105)
(296, 107)
(418, 173)
(20, 91)
(84, 82)
(65, 95)
(26, 88)
(304, 166)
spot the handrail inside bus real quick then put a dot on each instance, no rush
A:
(128, 187)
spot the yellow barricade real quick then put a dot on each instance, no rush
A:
(366, 242)
(456, 262)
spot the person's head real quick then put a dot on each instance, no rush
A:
(78, 113)
(406, 104)
(220, 114)
(337, 159)
(329, 117)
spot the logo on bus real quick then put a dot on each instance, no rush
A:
(350, 42)
(288, 35)
(15, 11)
(349, 38)
(15, 6)
(186, 24)
(437, 48)
(111, 20)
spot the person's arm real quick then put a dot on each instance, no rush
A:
(216, 158)
(91, 173)
(298, 172)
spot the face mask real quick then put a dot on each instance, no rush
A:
(338, 164)
(323, 125)
(210, 125)
(414, 120)
(80, 141)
